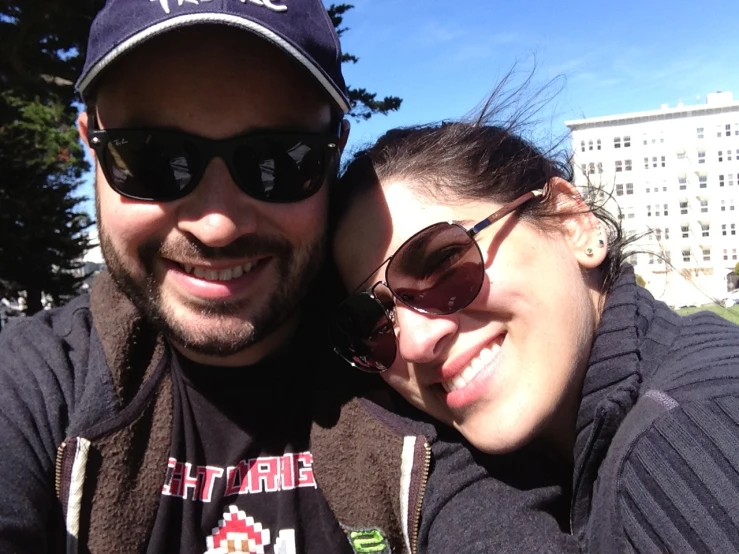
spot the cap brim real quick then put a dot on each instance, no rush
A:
(215, 18)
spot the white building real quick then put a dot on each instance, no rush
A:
(672, 175)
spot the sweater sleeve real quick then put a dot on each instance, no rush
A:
(479, 504)
(34, 386)
(678, 487)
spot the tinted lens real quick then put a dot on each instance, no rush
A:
(362, 333)
(280, 168)
(439, 271)
(149, 165)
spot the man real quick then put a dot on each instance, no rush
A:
(183, 406)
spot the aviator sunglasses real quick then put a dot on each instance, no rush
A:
(438, 271)
(162, 165)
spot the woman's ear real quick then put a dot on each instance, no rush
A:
(583, 232)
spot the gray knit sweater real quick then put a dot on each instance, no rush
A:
(657, 449)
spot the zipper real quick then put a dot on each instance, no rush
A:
(58, 468)
(421, 492)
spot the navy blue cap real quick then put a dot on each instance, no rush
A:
(300, 28)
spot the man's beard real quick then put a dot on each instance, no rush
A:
(296, 270)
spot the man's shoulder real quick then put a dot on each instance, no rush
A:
(62, 322)
(58, 339)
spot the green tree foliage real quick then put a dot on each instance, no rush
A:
(42, 223)
(640, 281)
(736, 269)
(365, 103)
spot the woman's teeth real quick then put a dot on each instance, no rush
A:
(219, 274)
(477, 364)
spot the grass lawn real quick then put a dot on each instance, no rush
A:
(732, 314)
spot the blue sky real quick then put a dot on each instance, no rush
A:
(444, 57)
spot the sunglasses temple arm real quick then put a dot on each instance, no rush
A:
(504, 211)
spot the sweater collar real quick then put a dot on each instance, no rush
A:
(611, 385)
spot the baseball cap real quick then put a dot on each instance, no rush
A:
(300, 28)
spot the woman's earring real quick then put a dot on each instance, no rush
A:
(589, 251)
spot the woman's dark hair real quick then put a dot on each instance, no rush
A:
(472, 160)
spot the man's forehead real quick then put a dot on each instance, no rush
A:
(232, 77)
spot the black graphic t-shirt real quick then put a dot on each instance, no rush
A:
(240, 473)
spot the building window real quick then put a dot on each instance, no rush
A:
(681, 155)
(658, 234)
(651, 259)
(728, 130)
(723, 229)
(654, 161)
(701, 157)
(590, 145)
(627, 141)
(600, 167)
(721, 180)
(619, 166)
(628, 165)
(699, 132)
(731, 205)
(617, 142)
(582, 146)
(733, 253)
(730, 176)
(720, 156)
(683, 207)
(667, 233)
(702, 181)
(630, 213)
(705, 230)
(591, 168)
(619, 190)
(646, 163)
(649, 211)
(706, 254)
(629, 188)
(663, 161)
(704, 206)
(726, 254)
(686, 255)
(598, 144)
(682, 181)
(728, 155)
(685, 231)
(664, 211)
(723, 205)
(733, 229)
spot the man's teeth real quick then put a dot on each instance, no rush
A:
(485, 356)
(219, 275)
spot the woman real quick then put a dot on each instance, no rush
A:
(518, 324)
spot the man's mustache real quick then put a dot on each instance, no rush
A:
(248, 246)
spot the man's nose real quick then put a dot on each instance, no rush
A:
(423, 337)
(217, 212)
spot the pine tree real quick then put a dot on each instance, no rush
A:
(42, 223)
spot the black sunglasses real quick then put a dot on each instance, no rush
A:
(439, 271)
(162, 165)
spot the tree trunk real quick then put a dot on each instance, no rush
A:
(33, 301)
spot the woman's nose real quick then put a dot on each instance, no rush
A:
(423, 337)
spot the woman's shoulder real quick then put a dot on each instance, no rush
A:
(700, 362)
(672, 468)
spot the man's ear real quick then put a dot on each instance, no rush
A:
(583, 231)
(83, 123)
(345, 128)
